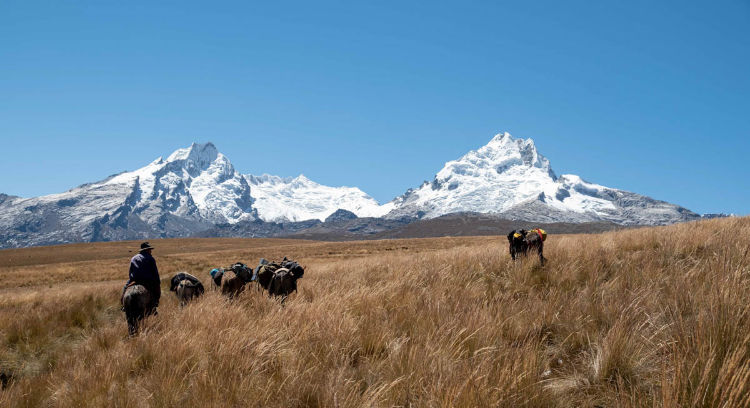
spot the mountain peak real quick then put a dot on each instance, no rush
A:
(502, 137)
(500, 154)
(301, 179)
(201, 153)
(491, 179)
(503, 147)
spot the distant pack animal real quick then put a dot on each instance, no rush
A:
(137, 304)
(517, 243)
(283, 283)
(280, 279)
(535, 240)
(186, 287)
(522, 241)
(243, 271)
(232, 285)
(264, 273)
(232, 280)
(217, 274)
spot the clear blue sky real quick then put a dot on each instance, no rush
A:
(647, 96)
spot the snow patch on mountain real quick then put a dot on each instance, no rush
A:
(281, 199)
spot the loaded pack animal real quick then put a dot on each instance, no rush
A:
(232, 280)
(137, 303)
(279, 279)
(516, 243)
(522, 241)
(263, 273)
(535, 240)
(186, 287)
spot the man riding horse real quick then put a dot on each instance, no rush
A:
(143, 271)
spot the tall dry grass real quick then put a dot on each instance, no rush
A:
(644, 317)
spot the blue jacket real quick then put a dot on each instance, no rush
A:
(143, 269)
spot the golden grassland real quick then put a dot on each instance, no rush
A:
(642, 317)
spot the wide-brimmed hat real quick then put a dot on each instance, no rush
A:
(145, 246)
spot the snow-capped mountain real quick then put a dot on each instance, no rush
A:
(194, 180)
(280, 199)
(509, 177)
(192, 190)
(197, 190)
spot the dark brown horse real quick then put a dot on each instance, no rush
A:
(231, 284)
(284, 282)
(137, 305)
